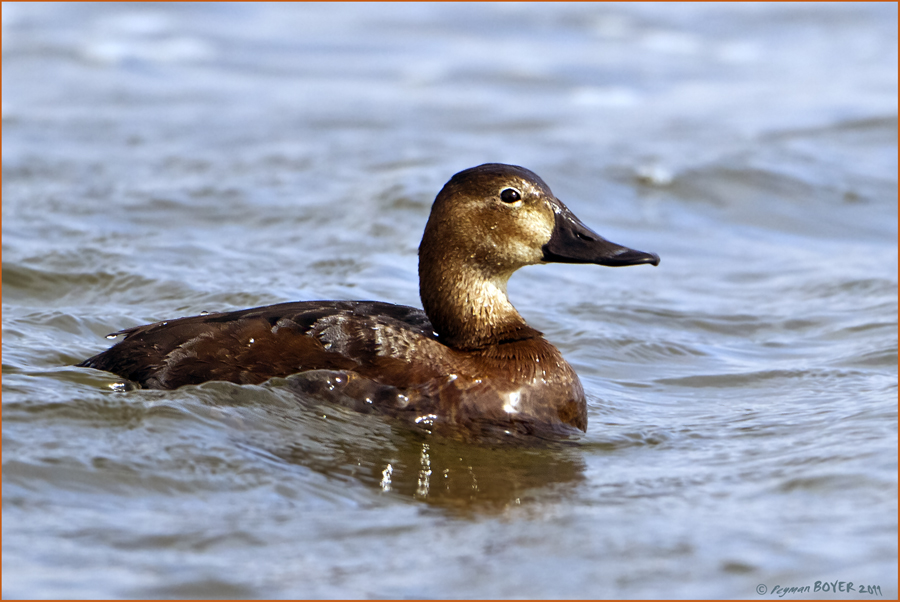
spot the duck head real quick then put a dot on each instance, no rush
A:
(487, 222)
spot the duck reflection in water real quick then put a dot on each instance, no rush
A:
(448, 473)
(468, 360)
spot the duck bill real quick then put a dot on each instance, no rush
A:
(573, 242)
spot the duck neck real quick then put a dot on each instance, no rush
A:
(468, 308)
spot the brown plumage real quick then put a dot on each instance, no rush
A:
(468, 359)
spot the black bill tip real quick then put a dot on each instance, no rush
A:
(629, 257)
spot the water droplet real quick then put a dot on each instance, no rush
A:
(117, 386)
(112, 336)
(427, 419)
(386, 477)
(204, 313)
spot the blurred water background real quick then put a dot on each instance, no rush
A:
(161, 160)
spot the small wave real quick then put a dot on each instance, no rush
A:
(744, 379)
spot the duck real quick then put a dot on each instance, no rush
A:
(466, 358)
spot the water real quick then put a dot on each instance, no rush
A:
(164, 160)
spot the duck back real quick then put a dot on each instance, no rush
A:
(253, 345)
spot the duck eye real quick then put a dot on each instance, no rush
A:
(510, 195)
